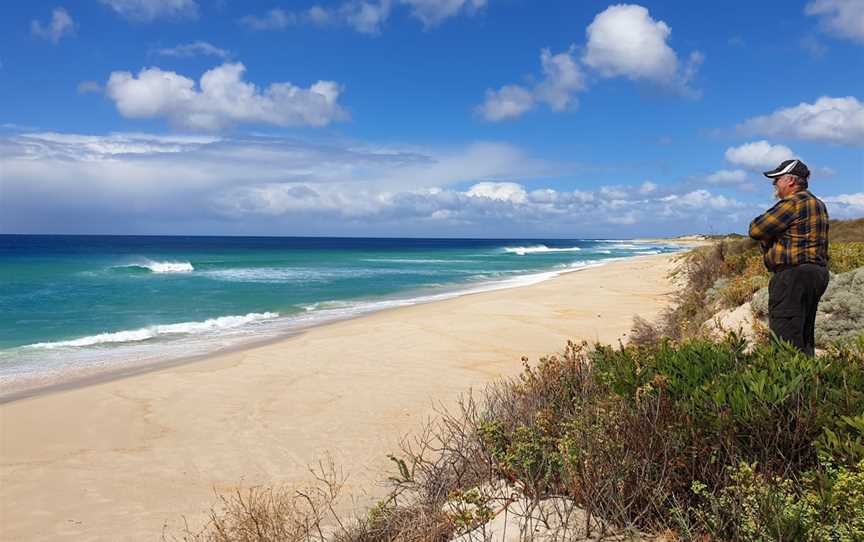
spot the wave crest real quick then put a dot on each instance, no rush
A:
(151, 332)
(522, 251)
(162, 267)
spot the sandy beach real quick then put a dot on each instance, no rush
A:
(117, 460)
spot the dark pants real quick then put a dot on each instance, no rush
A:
(793, 295)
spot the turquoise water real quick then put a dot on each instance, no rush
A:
(85, 304)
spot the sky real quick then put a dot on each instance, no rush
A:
(437, 118)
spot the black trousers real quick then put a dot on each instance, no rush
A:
(793, 295)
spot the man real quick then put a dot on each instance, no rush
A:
(794, 239)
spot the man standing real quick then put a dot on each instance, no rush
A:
(794, 239)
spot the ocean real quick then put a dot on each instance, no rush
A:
(76, 306)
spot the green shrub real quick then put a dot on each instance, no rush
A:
(825, 504)
(843, 257)
(626, 431)
(768, 405)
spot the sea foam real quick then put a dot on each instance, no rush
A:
(521, 251)
(162, 267)
(151, 332)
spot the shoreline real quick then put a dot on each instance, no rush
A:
(124, 457)
(84, 377)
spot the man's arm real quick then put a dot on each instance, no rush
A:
(774, 221)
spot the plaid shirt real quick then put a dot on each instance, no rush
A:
(793, 232)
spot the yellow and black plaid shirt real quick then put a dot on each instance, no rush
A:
(793, 232)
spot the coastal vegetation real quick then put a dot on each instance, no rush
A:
(727, 275)
(681, 434)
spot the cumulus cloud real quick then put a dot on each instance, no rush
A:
(364, 17)
(625, 41)
(60, 26)
(827, 120)
(149, 10)
(144, 183)
(562, 78)
(221, 99)
(845, 205)
(843, 18)
(758, 155)
(196, 48)
(508, 102)
(512, 192)
(701, 199)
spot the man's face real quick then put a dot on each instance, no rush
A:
(783, 186)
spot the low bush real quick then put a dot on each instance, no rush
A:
(826, 504)
(626, 432)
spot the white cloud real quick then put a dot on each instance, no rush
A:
(364, 16)
(845, 205)
(562, 78)
(275, 19)
(150, 10)
(61, 25)
(843, 18)
(186, 50)
(647, 187)
(697, 199)
(829, 120)
(140, 183)
(758, 155)
(726, 176)
(222, 99)
(86, 87)
(434, 12)
(614, 192)
(512, 192)
(510, 101)
(625, 41)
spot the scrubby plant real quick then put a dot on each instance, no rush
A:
(822, 504)
(845, 257)
(645, 423)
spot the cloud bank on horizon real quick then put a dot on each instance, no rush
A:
(366, 121)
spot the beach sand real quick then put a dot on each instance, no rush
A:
(117, 460)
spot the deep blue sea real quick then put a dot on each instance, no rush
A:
(79, 305)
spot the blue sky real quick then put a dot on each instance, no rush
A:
(484, 118)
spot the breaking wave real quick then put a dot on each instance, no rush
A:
(521, 251)
(161, 267)
(152, 332)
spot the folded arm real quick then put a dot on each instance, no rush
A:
(773, 222)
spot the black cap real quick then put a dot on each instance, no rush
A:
(789, 167)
